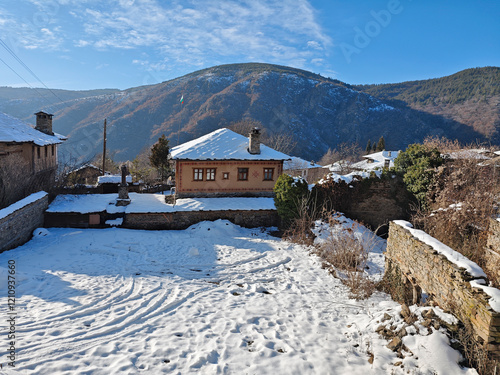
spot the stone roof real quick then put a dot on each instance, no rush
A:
(223, 144)
(13, 130)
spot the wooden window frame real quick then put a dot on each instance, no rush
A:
(210, 174)
(266, 174)
(38, 152)
(243, 174)
(46, 148)
(225, 175)
(198, 174)
(53, 148)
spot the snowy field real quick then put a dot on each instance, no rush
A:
(212, 299)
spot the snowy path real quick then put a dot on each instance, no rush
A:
(213, 299)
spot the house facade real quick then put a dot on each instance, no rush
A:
(28, 156)
(225, 163)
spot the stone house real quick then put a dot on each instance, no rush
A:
(85, 175)
(225, 163)
(376, 161)
(28, 156)
(308, 170)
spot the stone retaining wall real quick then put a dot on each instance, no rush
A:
(492, 251)
(448, 284)
(184, 219)
(17, 228)
(162, 221)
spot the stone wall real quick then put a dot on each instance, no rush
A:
(379, 203)
(184, 219)
(17, 227)
(163, 221)
(492, 251)
(448, 284)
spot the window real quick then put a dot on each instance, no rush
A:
(210, 174)
(268, 174)
(198, 174)
(53, 148)
(225, 176)
(46, 148)
(242, 174)
(38, 152)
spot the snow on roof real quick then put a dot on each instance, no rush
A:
(15, 130)
(113, 179)
(376, 160)
(478, 154)
(298, 163)
(339, 166)
(92, 166)
(223, 144)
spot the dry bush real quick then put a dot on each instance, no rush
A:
(299, 230)
(476, 355)
(463, 198)
(346, 250)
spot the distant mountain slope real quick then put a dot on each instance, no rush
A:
(318, 112)
(471, 97)
(22, 102)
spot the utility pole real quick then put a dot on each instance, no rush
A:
(104, 151)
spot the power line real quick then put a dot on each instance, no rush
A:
(38, 92)
(20, 61)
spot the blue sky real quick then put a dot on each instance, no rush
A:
(85, 44)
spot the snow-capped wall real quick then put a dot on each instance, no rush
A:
(457, 284)
(18, 220)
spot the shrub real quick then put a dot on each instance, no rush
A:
(289, 193)
(346, 253)
(417, 164)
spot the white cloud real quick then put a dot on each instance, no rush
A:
(193, 31)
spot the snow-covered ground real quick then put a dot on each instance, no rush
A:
(212, 299)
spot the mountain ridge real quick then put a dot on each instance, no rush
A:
(318, 112)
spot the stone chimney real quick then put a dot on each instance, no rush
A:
(254, 141)
(44, 123)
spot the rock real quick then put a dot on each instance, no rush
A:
(427, 323)
(398, 363)
(429, 314)
(395, 344)
(402, 332)
(371, 358)
(386, 317)
(405, 311)
(380, 328)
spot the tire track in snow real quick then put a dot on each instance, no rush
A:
(108, 333)
(125, 326)
(90, 308)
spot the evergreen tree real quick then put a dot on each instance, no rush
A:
(160, 157)
(381, 144)
(368, 147)
(374, 147)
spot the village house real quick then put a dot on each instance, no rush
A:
(28, 156)
(85, 175)
(376, 161)
(225, 163)
(308, 170)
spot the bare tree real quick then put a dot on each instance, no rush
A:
(344, 155)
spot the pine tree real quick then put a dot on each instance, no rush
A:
(160, 157)
(369, 147)
(381, 144)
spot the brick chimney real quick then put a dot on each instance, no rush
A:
(44, 123)
(254, 141)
